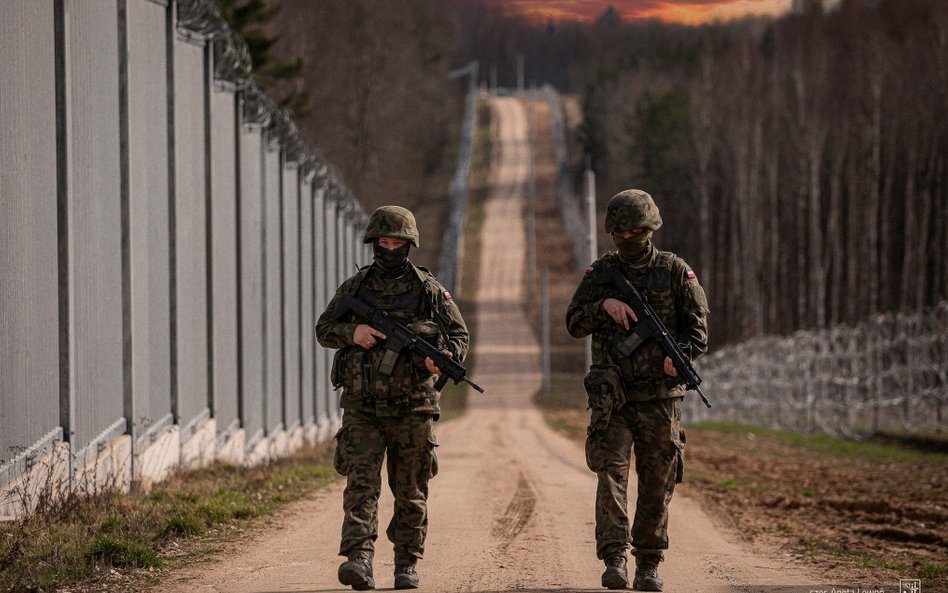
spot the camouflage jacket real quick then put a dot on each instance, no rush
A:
(416, 300)
(672, 289)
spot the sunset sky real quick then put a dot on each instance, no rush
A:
(681, 11)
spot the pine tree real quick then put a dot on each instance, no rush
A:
(249, 19)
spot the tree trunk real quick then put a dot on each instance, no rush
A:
(834, 233)
(872, 199)
(800, 219)
(909, 271)
(703, 149)
(815, 242)
(756, 228)
(924, 227)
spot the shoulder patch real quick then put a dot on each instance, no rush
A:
(589, 270)
(690, 273)
(447, 295)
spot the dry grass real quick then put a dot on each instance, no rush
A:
(121, 542)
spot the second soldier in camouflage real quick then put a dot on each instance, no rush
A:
(635, 400)
(388, 413)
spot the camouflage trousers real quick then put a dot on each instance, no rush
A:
(653, 428)
(361, 445)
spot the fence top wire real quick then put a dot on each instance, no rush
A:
(233, 66)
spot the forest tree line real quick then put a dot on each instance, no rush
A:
(379, 102)
(799, 163)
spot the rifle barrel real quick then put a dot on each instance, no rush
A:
(703, 397)
(473, 384)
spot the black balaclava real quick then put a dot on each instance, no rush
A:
(392, 263)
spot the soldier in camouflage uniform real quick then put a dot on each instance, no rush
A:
(635, 400)
(388, 413)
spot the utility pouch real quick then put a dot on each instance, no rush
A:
(335, 375)
(605, 392)
(680, 455)
(341, 456)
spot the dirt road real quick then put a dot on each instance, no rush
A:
(512, 509)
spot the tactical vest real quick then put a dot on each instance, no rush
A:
(643, 372)
(408, 300)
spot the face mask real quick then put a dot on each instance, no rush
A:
(634, 249)
(392, 262)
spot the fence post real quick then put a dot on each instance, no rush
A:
(592, 238)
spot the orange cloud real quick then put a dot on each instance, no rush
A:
(678, 11)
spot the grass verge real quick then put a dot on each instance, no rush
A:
(882, 448)
(117, 542)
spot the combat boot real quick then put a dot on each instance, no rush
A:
(357, 573)
(616, 575)
(406, 577)
(646, 574)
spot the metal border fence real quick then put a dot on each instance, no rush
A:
(152, 232)
(451, 243)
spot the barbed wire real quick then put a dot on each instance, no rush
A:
(889, 373)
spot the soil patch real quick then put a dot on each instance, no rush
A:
(863, 514)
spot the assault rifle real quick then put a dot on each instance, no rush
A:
(649, 326)
(398, 337)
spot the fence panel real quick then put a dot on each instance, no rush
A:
(150, 317)
(273, 289)
(320, 298)
(332, 281)
(307, 303)
(252, 301)
(94, 224)
(189, 253)
(29, 285)
(223, 217)
(291, 295)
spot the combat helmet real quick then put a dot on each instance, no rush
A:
(392, 221)
(631, 209)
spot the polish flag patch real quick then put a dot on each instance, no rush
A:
(447, 295)
(589, 270)
(691, 275)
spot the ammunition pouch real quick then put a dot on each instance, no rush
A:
(606, 394)
(680, 456)
(335, 375)
(341, 455)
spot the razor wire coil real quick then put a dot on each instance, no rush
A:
(886, 374)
